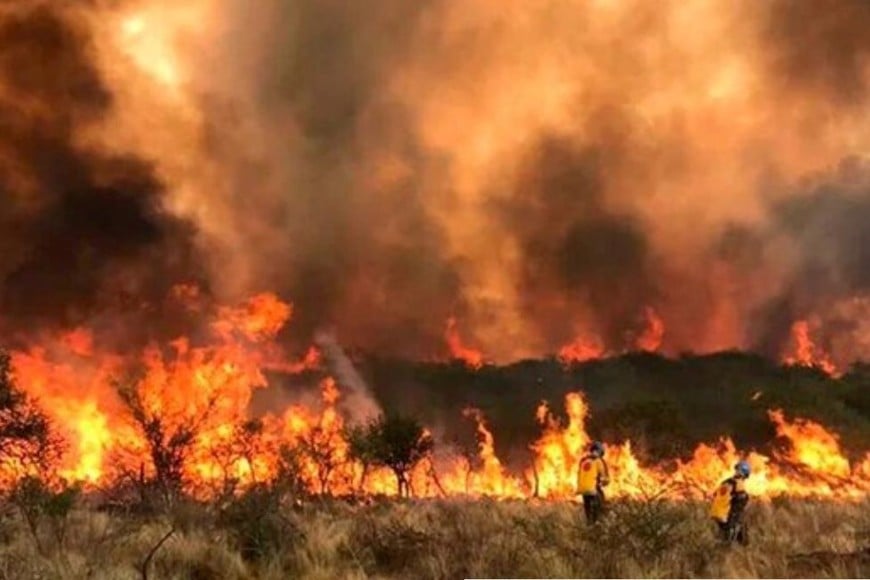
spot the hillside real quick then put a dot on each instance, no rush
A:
(666, 406)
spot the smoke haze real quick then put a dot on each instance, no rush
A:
(536, 170)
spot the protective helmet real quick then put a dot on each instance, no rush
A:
(596, 448)
(742, 468)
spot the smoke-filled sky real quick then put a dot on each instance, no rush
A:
(539, 170)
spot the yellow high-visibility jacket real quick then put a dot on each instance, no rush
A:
(720, 508)
(591, 474)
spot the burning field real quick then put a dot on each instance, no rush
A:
(172, 437)
(259, 247)
(118, 415)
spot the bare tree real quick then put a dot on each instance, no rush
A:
(237, 452)
(26, 436)
(169, 440)
(246, 439)
(320, 445)
(289, 480)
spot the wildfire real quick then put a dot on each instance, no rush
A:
(813, 466)
(812, 446)
(806, 352)
(559, 450)
(490, 478)
(650, 340)
(182, 384)
(114, 411)
(262, 317)
(458, 350)
(589, 346)
(582, 349)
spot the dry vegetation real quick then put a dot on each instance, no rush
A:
(254, 537)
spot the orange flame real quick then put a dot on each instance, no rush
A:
(471, 357)
(210, 385)
(812, 445)
(650, 340)
(491, 478)
(806, 353)
(583, 348)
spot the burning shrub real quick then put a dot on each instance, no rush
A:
(239, 450)
(321, 446)
(396, 442)
(290, 481)
(363, 448)
(169, 442)
(27, 443)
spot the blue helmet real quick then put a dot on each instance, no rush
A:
(743, 468)
(596, 448)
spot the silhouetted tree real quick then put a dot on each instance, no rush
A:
(362, 448)
(321, 446)
(398, 443)
(26, 437)
(235, 456)
(169, 440)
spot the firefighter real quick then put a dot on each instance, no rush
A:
(592, 476)
(729, 504)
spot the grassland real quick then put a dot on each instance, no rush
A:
(257, 538)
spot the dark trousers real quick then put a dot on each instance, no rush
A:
(734, 530)
(593, 506)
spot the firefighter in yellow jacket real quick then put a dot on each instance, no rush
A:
(729, 504)
(592, 476)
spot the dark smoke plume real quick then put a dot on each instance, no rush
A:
(536, 170)
(577, 253)
(822, 46)
(446, 161)
(81, 231)
(827, 227)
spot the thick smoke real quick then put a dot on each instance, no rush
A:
(82, 232)
(537, 170)
(821, 46)
(582, 257)
(828, 283)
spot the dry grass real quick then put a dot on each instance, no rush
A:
(445, 539)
